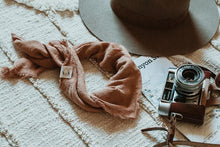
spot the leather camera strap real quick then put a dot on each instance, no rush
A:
(211, 91)
(171, 133)
(214, 97)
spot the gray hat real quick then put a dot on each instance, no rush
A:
(152, 27)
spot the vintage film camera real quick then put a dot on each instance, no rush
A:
(184, 94)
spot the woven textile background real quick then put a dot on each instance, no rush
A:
(34, 112)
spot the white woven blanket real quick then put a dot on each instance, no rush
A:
(33, 112)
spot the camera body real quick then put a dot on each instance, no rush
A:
(184, 94)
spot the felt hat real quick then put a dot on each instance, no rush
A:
(152, 27)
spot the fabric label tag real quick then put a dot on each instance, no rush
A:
(66, 72)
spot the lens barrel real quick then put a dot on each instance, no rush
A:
(188, 81)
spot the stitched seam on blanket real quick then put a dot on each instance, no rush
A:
(8, 136)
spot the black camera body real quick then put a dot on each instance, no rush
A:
(184, 94)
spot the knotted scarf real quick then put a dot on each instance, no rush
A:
(119, 98)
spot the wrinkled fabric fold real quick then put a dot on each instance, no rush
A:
(119, 98)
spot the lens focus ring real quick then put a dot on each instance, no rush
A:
(189, 80)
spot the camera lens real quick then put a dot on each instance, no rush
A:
(189, 74)
(189, 80)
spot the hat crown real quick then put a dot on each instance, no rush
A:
(151, 12)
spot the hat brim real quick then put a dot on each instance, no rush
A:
(197, 29)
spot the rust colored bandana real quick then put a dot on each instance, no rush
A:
(119, 98)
